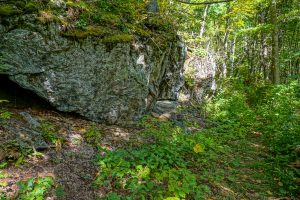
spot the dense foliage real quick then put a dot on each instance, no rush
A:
(273, 112)
(256, 40)
(175, 163)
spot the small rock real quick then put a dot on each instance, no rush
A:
(193, 129)
(30, 120)
(75, 139)
(165, 106)
(26, 137)
(165, 117)
(155, 115)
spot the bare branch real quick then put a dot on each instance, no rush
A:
(204, 2)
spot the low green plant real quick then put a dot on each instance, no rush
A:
(3, 175)
(15, 151)
(148, 172)
(34, 188)
(3, 197)
(163, 168)
(112, 196)
(200, 52)
(93, 135)
(60, 192)
(189, 78)
(157, 131)
(5, 115)
(49, 133)
(3, 164)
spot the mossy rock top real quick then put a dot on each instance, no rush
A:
(109, 21)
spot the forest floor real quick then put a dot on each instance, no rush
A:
(70, 164)
(238, 171)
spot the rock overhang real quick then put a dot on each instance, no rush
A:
(115, 85)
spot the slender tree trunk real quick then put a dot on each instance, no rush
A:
(226, 50)
(275, 71)
(264, 56)
(263, 50)
(226, 54)
(202, 29)
(232, 57)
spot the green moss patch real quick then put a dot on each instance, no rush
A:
(118, 38)
(19, 7)
(7, 10)
(94, 31)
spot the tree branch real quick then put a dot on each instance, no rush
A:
(204, 3)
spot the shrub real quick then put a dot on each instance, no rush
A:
(49, 134)
(34, 188)
(93, 135)
(270, 110)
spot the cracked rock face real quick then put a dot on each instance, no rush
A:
(203, 72)
(114, 83)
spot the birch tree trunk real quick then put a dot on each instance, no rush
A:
(263, 50)
(202, 29)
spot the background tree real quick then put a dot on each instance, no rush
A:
(263, 34)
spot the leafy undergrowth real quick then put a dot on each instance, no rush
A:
(273, 113)
(248, 149)
(247, 153)
(33, 188)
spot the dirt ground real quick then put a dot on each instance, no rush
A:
(72, 164)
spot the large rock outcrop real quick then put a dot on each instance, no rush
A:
(113, 83)
(200, 79)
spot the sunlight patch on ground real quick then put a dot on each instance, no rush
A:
(225, 190)
(257, 146)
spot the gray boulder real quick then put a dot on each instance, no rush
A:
(33, 123)
(153, 6)
(200, 78)
(115, 83)
(165, 106)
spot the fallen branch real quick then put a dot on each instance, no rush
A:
(204, 3)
